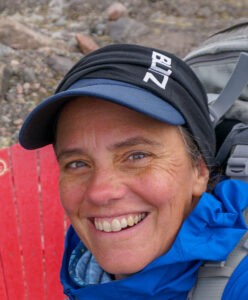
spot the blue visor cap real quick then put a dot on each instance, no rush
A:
(38, 129)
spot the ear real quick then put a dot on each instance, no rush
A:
(201, 179)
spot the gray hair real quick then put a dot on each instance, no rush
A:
(191, 145)
(215, 173)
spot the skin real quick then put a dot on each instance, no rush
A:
(115, 162)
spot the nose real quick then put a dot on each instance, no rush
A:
(104, 187)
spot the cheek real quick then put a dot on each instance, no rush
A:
(70, 194)
(154, 187)
(168, 192)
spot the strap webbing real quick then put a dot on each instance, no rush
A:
(232, 90)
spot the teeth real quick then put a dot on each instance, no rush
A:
(123, 223)
(100, 227)
(118, 225)
(136, 219)
(130, 221)
(106, 226)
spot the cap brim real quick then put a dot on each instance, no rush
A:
(37, 130)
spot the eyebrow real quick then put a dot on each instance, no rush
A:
(68, 152)
(130, 142)
(134, 141)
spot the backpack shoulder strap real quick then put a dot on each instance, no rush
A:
(231, 91)
(213, 276)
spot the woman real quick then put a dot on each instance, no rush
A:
(135, 145)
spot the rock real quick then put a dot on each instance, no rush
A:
(13, 6)
(19, 89)
(57, 6)
(99, 29)
(5, 50)
(2, 80)
(18, 122)
(86, 43)
(36, 86)
(26, 87)
(115, 11)
(18, 36)
(14, 63)
(28, 75)
(4, 119)
(5, 142)
(59, 63)
(126, 27)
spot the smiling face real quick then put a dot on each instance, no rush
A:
(127, 182)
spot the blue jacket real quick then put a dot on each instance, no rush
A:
(210, 232)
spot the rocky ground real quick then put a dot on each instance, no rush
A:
(40, 40)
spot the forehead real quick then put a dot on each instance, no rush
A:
(98, 111)
(86, 121)
(95, 124)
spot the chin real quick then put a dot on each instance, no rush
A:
(123, 266)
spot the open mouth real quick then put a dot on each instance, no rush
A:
(119, 223)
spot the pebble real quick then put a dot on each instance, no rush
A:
(34, 95)
(14, 63)
(5, 50)
(36, 85)
(5, 142)
(28, 75)
(26, 86)
(126, 27)
(19, 89)
(20, 99)
(115, 11)
(18, 122)
(59, 63)
(99, 29)
(86, 43)
(4, 119)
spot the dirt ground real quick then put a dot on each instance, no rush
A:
(38, 45)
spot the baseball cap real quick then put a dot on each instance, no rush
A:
(148, 80)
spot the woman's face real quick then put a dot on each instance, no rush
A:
(126, 182)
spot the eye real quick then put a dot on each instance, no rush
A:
(137, 156)
(76, 164)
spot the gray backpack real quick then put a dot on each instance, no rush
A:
(221, 64)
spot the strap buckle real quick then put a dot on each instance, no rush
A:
(237, 165)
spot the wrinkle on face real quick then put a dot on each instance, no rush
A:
(132, 164)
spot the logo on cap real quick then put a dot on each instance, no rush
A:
(160, 70)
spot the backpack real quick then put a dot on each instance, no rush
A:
(221, 64)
